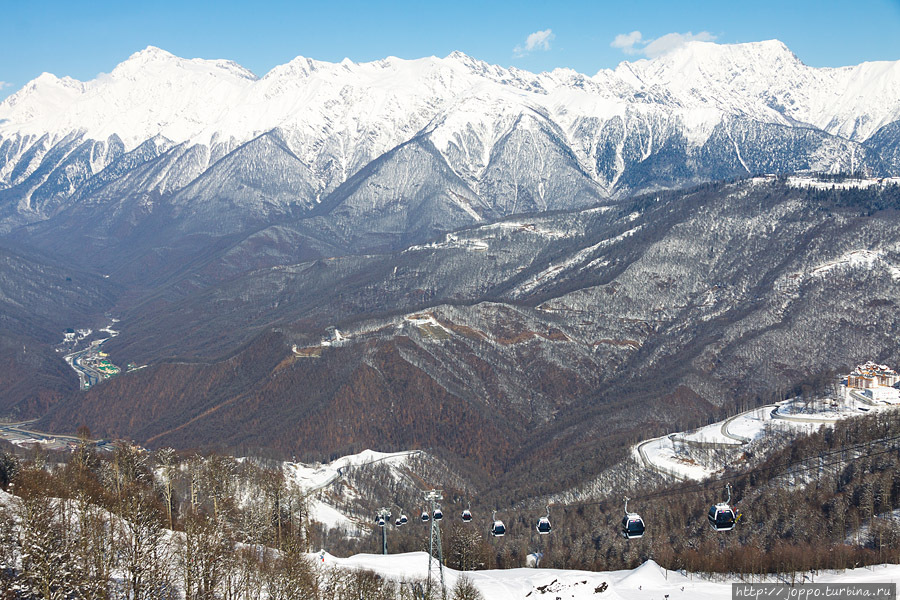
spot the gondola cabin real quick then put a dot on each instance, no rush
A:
(721, 517)
(543, 526)
(403, 520)
(438, 514)
(466, 516)
(498, 529)
(398, 522)
(425, 517)
(632, 526)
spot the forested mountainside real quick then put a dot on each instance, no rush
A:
(519, 345)
(40, 297)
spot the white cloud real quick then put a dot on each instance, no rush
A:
(539, 40)
(4, 84)
(635, 43)
(670, 41)
(626, 42)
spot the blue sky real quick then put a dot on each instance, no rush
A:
(82, 39)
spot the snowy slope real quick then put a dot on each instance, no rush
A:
(310, 478)
(767, 81)
(313, 478)
(646, 581)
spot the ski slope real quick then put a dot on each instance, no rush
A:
(313, 478)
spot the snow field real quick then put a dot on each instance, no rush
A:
(646, 582)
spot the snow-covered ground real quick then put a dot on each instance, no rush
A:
(666, 453)
(670, 454)
(451, 241)
(746, 426)
(645, 582)
(426, 321)
(806, 181)
(312, 478)
(826, 411)
(553, 234)
(315, 477)
(858, 259)
(660, 454)
(331, 517)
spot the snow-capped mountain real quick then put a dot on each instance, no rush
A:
(766, 82)
(427, 145)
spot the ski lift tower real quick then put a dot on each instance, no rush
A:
(435, 549)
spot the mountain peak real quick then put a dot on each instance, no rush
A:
(464, 59)
(297, 68)
(151, 53)
(460, 56)
(697, 68)
(764, 51)
(56, 91)
(155, 58)
(471, 64)
(46, 78)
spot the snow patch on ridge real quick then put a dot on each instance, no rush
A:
(452, 241)
(552, 234)
(805, 181)
(553, 271)
(857, 259)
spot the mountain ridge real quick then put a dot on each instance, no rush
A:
(224, 151)
(688, 65)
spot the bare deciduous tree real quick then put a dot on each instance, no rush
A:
(144, 558)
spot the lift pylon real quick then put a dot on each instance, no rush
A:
(435, 548)
(383, 518)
